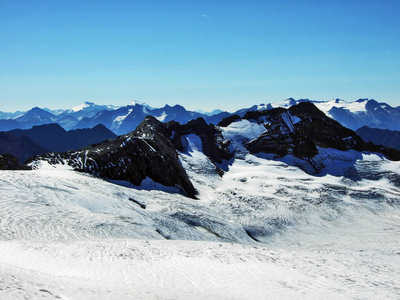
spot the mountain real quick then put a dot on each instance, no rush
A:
(114, 219)
(301, 136)
(127, 118)
(67, 118)
(126, 123)
(364, 112)
(353, 115)
(56, 139)
(10, 115)
(122, 120)
(20, 147)
(9, 124)
(88, 110)
(145, 152)
(384, 137)
(35, 116)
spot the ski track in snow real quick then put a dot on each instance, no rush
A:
(68, 235)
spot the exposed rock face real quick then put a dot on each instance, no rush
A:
(228, 120)
(10, 162)
(145, 152)
(280, 136)
(215, 147)
(301, 131)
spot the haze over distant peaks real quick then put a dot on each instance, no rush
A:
(123, 119)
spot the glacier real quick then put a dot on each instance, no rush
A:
(265, 229)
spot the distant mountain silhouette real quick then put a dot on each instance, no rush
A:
(20, 147)
(9, 124)
(384, 137)
(35, 116)
(124, 119)
(56, 139)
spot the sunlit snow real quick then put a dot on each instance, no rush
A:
(265, 230)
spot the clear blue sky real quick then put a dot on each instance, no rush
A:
(201, 54)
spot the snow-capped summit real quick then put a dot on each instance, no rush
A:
(135, 102)
(121, 120)
(82, 106)
(91, 106)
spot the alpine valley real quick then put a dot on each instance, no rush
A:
(281, 200)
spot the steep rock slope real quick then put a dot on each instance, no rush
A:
(353, 115)
(10, 162)
(304, 135)
(145, 152)
(214, 146)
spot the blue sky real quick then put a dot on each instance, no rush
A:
(201, 54)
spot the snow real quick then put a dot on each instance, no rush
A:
(286, 103)
(118, 120)
(326, 106)
(242, 131)
(135, 102)
(81, 106)
(353, 107)
(69, 235)
(162, 117)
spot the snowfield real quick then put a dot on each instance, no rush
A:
(265, 230)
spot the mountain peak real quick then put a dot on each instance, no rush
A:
(139, 103)
(82, 106)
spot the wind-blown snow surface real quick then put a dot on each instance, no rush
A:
(264, 230)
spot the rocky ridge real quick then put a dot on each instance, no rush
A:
(301, 131)
(301, 135)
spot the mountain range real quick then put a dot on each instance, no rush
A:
(301, 136)
(122, 120)
(284, 202)
(24, 143)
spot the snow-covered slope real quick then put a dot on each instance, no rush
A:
(262, 224)
(264, 229)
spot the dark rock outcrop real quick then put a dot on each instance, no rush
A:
(145, 152)
(301, 129)
(214, 146)
(228, 120)
(10, 162)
